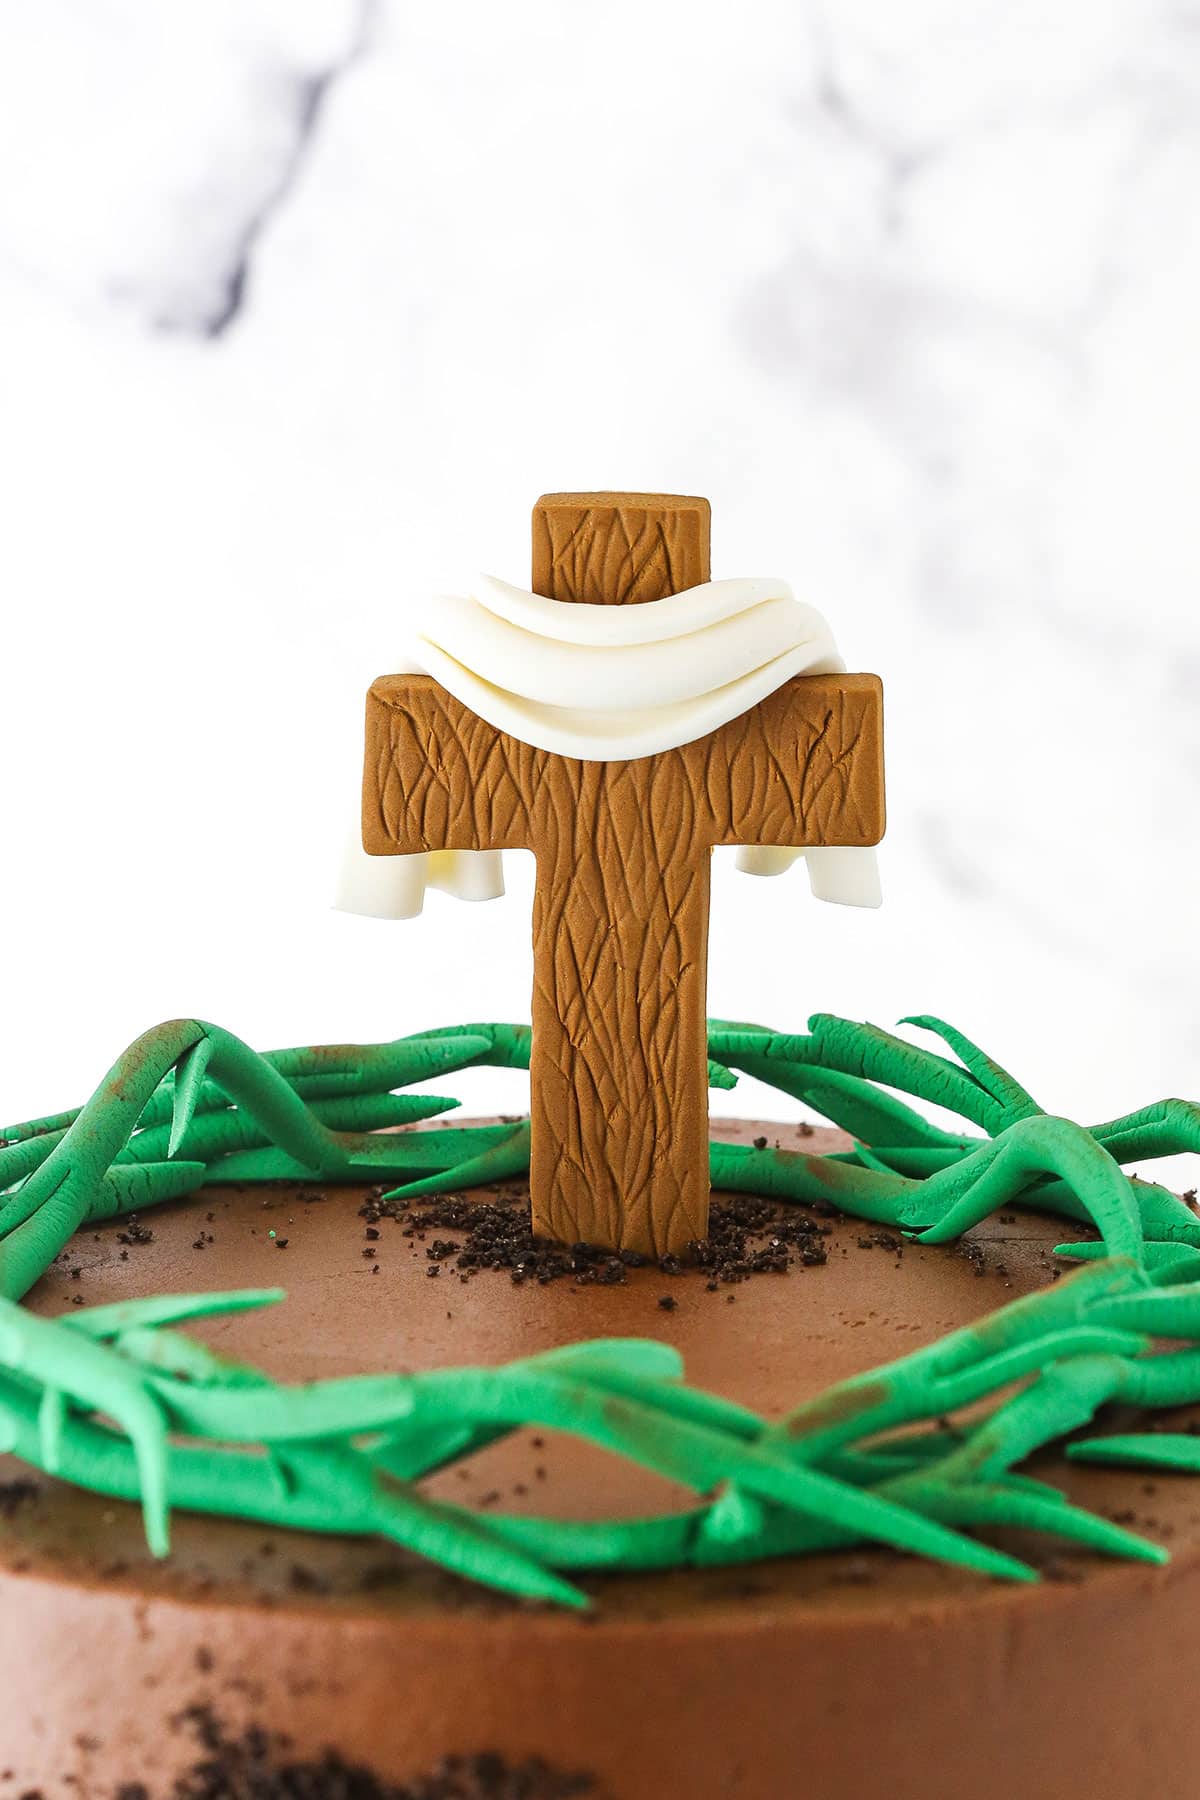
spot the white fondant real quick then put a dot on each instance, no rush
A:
(843, 874)
(380, 887)
(603, 684)
(467, 874)
(608, 684)
(393, 887)
(648, 622)
(765, 859)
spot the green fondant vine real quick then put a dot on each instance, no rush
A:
(120, 1400)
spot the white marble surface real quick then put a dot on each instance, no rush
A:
(302, 306)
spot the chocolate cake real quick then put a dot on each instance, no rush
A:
(853, 1673)
(609, 1451)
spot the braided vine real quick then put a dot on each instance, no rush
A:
(120, 1400)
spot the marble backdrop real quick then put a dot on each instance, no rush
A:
(304, 303)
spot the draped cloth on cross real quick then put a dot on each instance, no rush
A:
(609, 684)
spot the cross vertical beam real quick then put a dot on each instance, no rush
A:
(618, 1076)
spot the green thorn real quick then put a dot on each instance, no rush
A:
(189, 1079)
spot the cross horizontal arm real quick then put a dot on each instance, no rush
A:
(803, 768)
(438, 777)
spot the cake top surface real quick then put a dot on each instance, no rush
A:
(913, 1454)
(359, 1303)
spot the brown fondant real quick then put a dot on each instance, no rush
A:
(611, 549)
(859, 1676)
(620, 915)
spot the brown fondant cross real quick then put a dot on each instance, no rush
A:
(618, 1075)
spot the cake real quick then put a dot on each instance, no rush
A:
(559, 1473)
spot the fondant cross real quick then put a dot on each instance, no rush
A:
(618, 1077)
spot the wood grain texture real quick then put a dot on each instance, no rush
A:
(619, 1095)
(615, 549)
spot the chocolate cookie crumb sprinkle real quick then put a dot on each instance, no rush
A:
(258, 1765)
(748, 1235)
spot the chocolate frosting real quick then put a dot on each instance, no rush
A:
(858, 1673)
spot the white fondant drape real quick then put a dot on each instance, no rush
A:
(609, 683)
